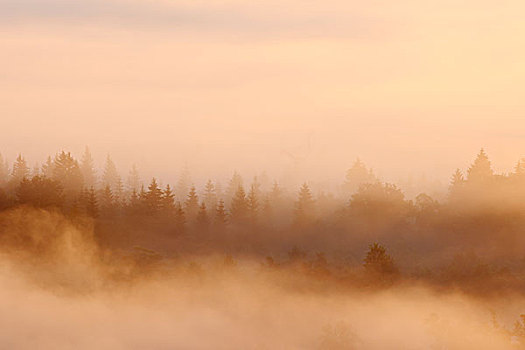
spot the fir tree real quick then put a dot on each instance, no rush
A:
(356, 176)
(91, 203)
(153, 198)
(233, 186)
(87, 168)
(179, 219)
(67, 171)
(47, 168)
(20, 170)
(304, 206)
(168, 201)
(106, 201)
(252, 203)
(191, 205)
(480, 170)
(183, 183)
(239, 207)
(110, 175)
(134, 181)
(210, 197)
(221, 218)
(202, 221)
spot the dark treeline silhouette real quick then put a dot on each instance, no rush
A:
(473, 239)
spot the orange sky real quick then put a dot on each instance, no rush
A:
(409, 86)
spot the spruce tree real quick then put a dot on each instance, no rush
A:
(304, 206)
(134, 181)
(481, 169)
(92, 203)
(221, 218)
(239, 207)
(191, 205)
(110, 175)
(20, 170)
(153, 197)
(252, 203)
(210, 197)
(202, 221)
(67, 171)
(87, 168)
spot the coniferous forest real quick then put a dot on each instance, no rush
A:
(368, 238)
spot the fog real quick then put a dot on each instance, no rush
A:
(196, 174)
(66, 293)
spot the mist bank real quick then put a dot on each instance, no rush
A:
(61, 289)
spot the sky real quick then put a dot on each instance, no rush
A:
(411, 87)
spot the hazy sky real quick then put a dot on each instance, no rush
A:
(409, 86)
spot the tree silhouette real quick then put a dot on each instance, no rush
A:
(110, 175)
(239, 207)
(191, 205)
(210, 196)
(252, 203)
(134, 181)
(153, 198)
(87, 168)
(481, 169)
(304, 206)
(39, 192)
(356, 176)
(377, 261)
(202, 221)
(67, 171)
(221, 218)
(20, 171)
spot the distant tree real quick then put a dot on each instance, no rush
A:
(179, 219)
(191, 205)
(87, 168)
(106, 201)
(134, 181)
(110, 176)
(377, 261)
(221, 218)
(168, 202)
(356, 176)
(210, 197)
(457, 184)
(153, 197)
(67, 171)
(519, 169)
(91, 202)
(385, 201)
(39, 192)
(239, 207)
(135, 205)
(202, 221)
(304, 206)
(20, 171)
(183, 183)
(119, 194)
(252, 203)
(48, 167)
(481, 169)
(233, 186)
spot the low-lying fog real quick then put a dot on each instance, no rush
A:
(59, 291)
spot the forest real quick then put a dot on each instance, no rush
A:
(368, 237)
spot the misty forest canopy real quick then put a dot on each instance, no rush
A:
(482, 216)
